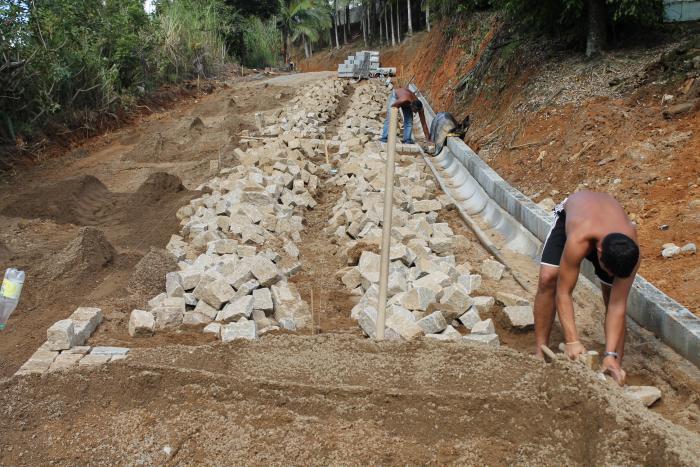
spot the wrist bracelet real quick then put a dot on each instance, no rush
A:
(572, 343)
(615, 355)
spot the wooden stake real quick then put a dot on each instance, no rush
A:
(386, 226)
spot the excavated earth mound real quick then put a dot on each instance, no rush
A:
(147, 278)
(286, 399)
(89, 252)
(83, 200)
(126, 217)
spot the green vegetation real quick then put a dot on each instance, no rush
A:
(71, 58)
(261, 42)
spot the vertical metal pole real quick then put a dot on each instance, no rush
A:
(386, 226)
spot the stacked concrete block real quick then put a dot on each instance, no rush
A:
(363, 64)
(64, 348)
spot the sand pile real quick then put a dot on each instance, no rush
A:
(89, 252)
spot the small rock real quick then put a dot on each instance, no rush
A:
(418, 298)
(488, 339)
(484, 304)
(647, 395)
(520, 317)
(484, 327)
(244, 329)
(671, 251)
(433, 323)
(61, 335)
(492, 269)
(234, 311)
(509, 299)
(403, 326)
(141, 323)
(689, 249)
(470, 318)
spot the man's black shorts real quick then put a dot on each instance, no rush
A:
(554, 248)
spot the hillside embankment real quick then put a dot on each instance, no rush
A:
(552, 122)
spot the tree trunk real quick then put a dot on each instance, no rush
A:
(285, 43)
(410, 24)
(369, 22)
(597, 27)
(398, 22)
(363, 23)
(330, 35)
(391, 15)
(427, 15)
(386, 25)
(335, 18)
(381, 31)
(345, 29)
(306, 46)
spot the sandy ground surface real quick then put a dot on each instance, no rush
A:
(326, 397)
(332, 399)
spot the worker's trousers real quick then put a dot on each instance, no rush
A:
(407, 121)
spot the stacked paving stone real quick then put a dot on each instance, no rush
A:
(429, 294)
(230, 278)
(238, 246)
(313, 105)
(366, 112)
(65, 345)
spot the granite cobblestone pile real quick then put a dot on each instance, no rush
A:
(429, 293)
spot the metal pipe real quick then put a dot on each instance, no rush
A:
(386, 225)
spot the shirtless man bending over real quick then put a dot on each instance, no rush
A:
(592, 226)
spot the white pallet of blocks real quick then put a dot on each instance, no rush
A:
(363, 64)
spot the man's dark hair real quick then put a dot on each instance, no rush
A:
(620, 254)
(416, 106)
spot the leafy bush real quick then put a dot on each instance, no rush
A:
(262, 42)
(64, 57)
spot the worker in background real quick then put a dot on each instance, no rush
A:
(408, 102)
(591, 226)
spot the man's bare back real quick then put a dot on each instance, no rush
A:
(590, 216)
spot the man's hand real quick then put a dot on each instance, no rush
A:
(574, 349)
(611, 367)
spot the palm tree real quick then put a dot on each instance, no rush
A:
(299, 18)
(309, 24)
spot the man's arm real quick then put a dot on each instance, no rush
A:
(426, 132)
(615, 327)
(615, 318)
(569, 269)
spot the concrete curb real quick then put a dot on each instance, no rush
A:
(670, 321)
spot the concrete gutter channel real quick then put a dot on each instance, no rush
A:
(479, 191)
